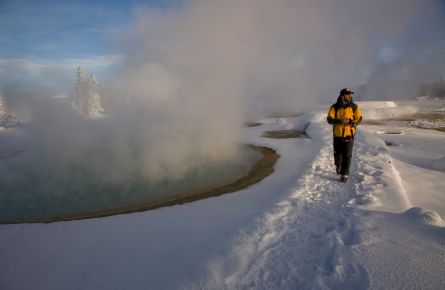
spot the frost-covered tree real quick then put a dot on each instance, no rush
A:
(2, 106)
(6, 118)
(95, 105)
(87, 99)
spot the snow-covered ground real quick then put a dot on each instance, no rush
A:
(298, 229)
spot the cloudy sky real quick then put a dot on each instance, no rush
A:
(63, 34)
(44, 41)
(51, 29)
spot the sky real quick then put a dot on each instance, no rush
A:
(50, 29)
(44, 41)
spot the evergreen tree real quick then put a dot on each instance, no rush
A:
(87, 99)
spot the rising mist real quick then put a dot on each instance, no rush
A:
(191, 76)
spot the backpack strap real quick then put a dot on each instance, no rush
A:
(336, 105)
(354, 107)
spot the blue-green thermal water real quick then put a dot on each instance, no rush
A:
(38, 197)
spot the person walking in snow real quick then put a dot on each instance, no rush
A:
(345, 115)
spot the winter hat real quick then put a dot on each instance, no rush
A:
(345, 91)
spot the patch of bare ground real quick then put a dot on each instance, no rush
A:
(389, 143)
(423, 116)
(284, 134)
(285, 114)
(441, 129)
(372, 122)
(393, 132)
(253, 124)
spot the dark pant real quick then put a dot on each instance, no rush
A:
(343, 153)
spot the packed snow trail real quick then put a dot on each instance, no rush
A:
(307, 240)
(304, 244)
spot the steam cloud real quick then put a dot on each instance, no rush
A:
(192, 76)
(253, 57)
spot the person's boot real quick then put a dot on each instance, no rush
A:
(343, 178)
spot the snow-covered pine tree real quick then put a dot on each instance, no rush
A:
(95, 106)
(87, 99)
(6, 118)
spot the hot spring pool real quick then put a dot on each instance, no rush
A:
(39, 201)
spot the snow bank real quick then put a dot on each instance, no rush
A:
(424, 216)
(428, 124)
(379, 186)
(374, 110)
(376, 104)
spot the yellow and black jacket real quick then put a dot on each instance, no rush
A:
(340, 111)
